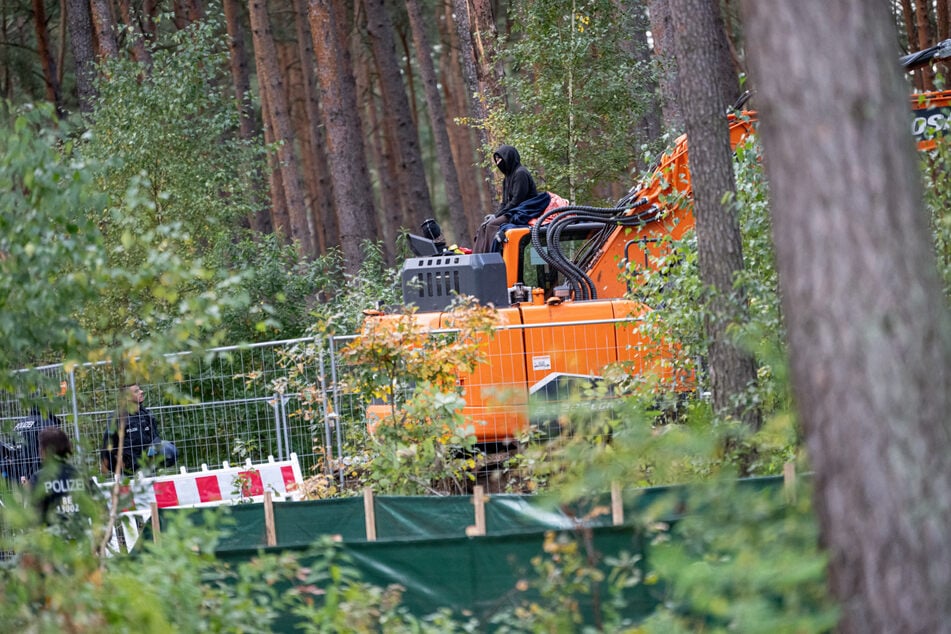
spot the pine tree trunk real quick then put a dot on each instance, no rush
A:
(293, 93)
(280, 218)
(180, 14)
(651, 124)
(908, 15)
(437, 117)
(353, 197)
(943, 19)
(315, 160)
(139, 51)
(662, 30)
(382, 156)
(414, 191)
(463, 137)
(476, 98)
(149, 13)
(943, 22)
(485, 35)
(868, 326)
(265, 54)
(79, 23)
(249, 127)
(104, 26)
(50, 76)
(923, 28)
(719, 246)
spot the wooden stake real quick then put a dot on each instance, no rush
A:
(617, 504)
(156, 525)
(789, 481)
(370, 514)
(270, 530)
(478, 500)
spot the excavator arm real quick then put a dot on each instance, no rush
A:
(941, 50)
(633, 231)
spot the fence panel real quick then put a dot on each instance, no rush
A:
(289, 396)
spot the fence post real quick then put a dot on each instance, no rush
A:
(75, 403)
(270, 530)
(370, 514)
(789, 481)
(478, 500)
(328, 446)
(278, 406)
(156, 524)
(617, 504)
(337, 430)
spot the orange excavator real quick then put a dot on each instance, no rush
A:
(563, 312)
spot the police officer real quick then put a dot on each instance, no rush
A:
(58, 492)
(141, 440)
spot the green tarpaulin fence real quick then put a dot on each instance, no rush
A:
(422, 544)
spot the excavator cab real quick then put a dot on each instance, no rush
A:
(528, 266)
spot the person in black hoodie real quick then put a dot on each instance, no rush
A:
(141, 441)
(517, 187)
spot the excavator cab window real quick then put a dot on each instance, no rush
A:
(535, 272)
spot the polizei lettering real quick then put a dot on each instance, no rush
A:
(930, 123)
(64, 486)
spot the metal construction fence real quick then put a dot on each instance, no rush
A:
(235, 403)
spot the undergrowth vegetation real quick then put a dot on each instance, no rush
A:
(723, 556)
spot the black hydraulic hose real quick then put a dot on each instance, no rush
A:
(553, 256)
(628, 220)
(581, 282)
(576, 270)
(575, 273)
(575, 214)
(591, 250)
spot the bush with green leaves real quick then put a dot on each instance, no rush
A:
(421, 442)
(163, 145)
(50, 252)
(284, 291)
(375, 285)
(936, 167)
(60, 271)
(53, 584)
(570, 570)
(740, 559)
(677, 297)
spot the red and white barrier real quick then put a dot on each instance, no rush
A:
(210, 487)
(207, 487)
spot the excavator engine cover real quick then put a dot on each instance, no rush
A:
(431, 282)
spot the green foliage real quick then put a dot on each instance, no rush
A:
(740, 560)
(420, 442)
(283, 289)
(50, 253)
(678, 298)
(936, 166)
(578, 94)
(374, 286)
(163, 150)
(56, 585)
(571, 570)
(333, 600)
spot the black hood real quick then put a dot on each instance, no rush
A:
(510, 159)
